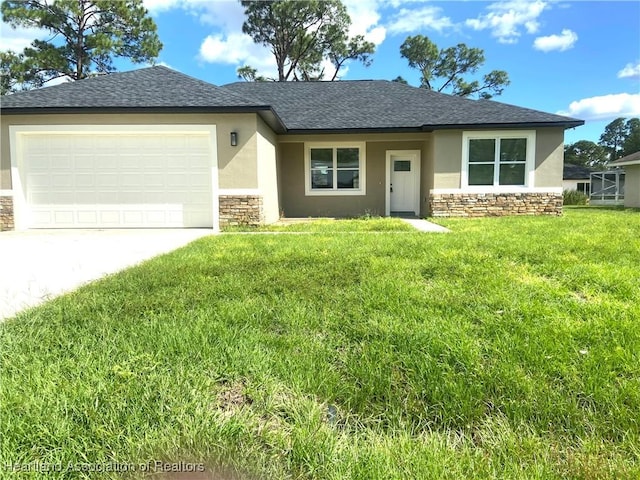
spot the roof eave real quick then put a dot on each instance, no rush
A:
(266, 112)
(484, 126)
(320, 131)
(150, 109)
(624, 163)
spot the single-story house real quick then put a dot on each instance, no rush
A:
(631, 164)
(577, 178)
(156, 148)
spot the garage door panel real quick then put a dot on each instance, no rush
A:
(106, 179)
(118, 180)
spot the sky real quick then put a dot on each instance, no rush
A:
(575, 58)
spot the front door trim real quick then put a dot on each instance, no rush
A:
(416, 173)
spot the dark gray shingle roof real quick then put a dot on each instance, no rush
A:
(381, 104)
(575, 172)
(364, 105)
(152, 87)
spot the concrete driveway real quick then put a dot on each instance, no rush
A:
(38, 265)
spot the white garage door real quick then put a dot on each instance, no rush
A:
(114, 177)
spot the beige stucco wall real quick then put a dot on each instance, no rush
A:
(447, 158)
(295, 203)
(632, 186)
(549, 157)
(267, 172)
(237, 165)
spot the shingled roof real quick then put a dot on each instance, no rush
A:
(575, 172)
(294, 107)
(372, 105)
(146, 88)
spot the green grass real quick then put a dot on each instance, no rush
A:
(327, 225)
(509, 348)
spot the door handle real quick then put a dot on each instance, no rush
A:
(391, 187)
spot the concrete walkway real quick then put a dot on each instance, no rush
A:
(425, 226)
(38, 265)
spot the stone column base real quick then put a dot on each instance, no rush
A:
(245, 210)
(494, 204)
(6, 213)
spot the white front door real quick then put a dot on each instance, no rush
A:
(404, 182)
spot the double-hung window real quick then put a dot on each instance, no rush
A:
(334, 169)
(498, 159)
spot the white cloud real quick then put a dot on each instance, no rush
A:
(630, 71)
(507, 19)
(19, 38)
(605, 106)
(365, 20)
(562, 42)
(411, 20)
(231, 49)
(58, 81)
(155, 6)
(238, 49)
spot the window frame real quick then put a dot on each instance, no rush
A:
(498, 135)
(335, 191)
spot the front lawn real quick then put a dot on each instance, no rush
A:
(330, 225)
(509, 348)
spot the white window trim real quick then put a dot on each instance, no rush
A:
(529, 176)
(335, 192)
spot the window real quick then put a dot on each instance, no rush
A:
(402, 165)
(583, 187)
(498, 159)
(334, 169)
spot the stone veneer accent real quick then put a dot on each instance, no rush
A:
(6, 213)
(241, 210)
(494, 204)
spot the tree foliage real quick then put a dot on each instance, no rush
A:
(612, 139)
(86, 36)
(585, 153)
(620, 138)
(400, 79)
(449, 66)
(631, 144)
(301, 35)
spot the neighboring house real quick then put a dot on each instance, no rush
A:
(631, 164)
(576, 177)
(156, 148)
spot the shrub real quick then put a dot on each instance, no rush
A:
(573, 197)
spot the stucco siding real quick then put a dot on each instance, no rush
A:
(549, 157)
(237, 165)
(447, 158)
(632, 186)
(267, 172)
(295, 203)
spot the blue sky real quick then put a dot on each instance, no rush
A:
(580, 58)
